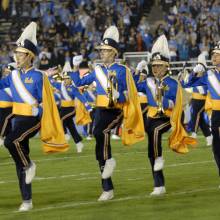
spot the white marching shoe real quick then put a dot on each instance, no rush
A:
(209, 140)
(67, 137)
(30, 173)
(89, 138)
(159, 163)
(25, 206)
(109, 167)
(193, 135)
(158, 191)
(115, 137)
(106, 195)
(79, 147)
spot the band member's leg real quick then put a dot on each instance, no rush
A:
(216, 137)
(105, 120)
(155, 129)
(17, 142)
(67, 115)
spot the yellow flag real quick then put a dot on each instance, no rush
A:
(179, 139)
(82, 115)
(52, 134)
(133, 125)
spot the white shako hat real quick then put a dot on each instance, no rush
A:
(27, 42)
(110, 39)
(160, 53)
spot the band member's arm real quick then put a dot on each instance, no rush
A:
(85, 80)
(141, 86)
(194, 80)
(5, 82)
(122, 87)
(169, 97)
(39, 89)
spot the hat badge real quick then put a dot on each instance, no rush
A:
(21, 44)
(157, 57)
(106, 41)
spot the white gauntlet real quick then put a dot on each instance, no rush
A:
(35, 111)
(198, 68)
(141, 65)
(77, 60)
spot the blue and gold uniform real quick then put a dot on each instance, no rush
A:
(33, 108)
(112, 97)
(90, 96)
(26, 90)
(68, 107)
(116, 99)
(6, 115)
(150, 88)
(100, 76)
(142, 98)
(211, 79)
(198, 100)
(164, 98)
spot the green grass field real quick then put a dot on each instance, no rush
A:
(67, 185)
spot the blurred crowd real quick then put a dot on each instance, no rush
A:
(73, 27)
(192, 27)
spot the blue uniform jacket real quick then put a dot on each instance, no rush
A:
(169, 94)
(101, 75)
(26, 90)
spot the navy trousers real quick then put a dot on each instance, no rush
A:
(105, 120)
(17, 143)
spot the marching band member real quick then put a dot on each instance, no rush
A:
(164, 111)
(140, 75)
(89, 92)
(6, 104)
(71, 100)
(33, 107)
(199, 96)
(6, 115)
(116, 98)
(211, 79)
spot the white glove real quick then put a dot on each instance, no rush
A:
(77, 60)
(199, 68)
(115, 94)
(141, 65)
(35, 111)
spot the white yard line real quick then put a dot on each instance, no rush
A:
(138, 197)
(91, 155)
(87, 176)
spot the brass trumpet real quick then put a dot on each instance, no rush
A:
(160, 89)
(112, 85)
(60, 76)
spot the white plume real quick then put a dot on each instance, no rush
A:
(29, 33)
(161, 46)
(112, 32)
(175, 11)
(202, 58)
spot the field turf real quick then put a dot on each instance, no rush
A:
(67, 185)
